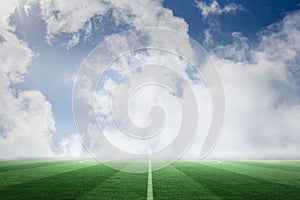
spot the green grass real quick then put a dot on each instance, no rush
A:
(229, 180)
(87, 179)
(68, 179)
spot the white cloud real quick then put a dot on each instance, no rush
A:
(214, 8)
(10, 49)
(26, 123)
(208, 38)
(61, 17)
(6, 9)
(71, 146)
(238, 51)
(262, 91)
(210, 12)
(26, 120)
(72, 42)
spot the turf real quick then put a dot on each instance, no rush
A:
(230, 180)
(87, 179)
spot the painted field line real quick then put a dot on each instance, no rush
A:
(149, 188)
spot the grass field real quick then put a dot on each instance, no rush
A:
(87, 179)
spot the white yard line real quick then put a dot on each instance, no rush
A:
(149, 188)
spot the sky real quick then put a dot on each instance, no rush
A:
(255, 45)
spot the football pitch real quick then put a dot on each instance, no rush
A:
(207, 179)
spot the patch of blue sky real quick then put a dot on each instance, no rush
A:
(3, 131)
(193, 74)
(2, 39)
(255, 16)
(102, 26)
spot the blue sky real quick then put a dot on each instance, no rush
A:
(255, 17)
(238, 35)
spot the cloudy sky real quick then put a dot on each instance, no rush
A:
(255, 45)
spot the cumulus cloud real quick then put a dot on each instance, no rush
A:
(71, 146)
(26, 120)
(214, 8)
(262, 91)
(26, 123)
(6, 10)
(61, 17)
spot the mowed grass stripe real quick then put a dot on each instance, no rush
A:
(7, 163)
(22, 176)
(29, 165)
(231, 185)
(68, 185)
(171, 183)
(121, 185)
(268, 174)
(271, 165)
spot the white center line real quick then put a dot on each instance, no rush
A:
(149, 188)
